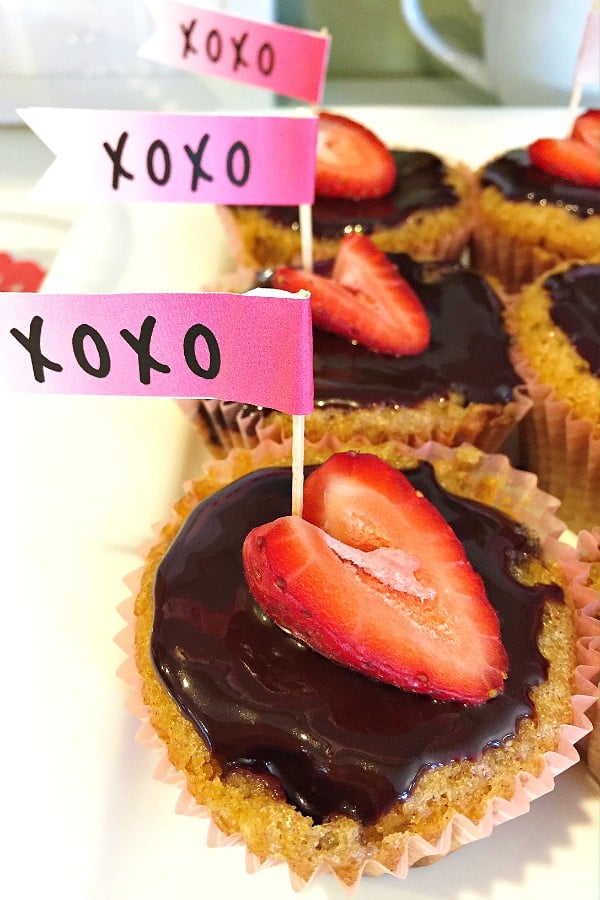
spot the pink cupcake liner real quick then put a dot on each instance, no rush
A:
(235, 424)
(517, 493)
(562, 449)
(447, 245)
(489, 439)
(576, 561)
(510, 260)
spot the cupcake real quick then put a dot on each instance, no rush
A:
(407, 200)
(581, 562)
(556, 351)
(321, 766)
(539, 206)
(421, 379)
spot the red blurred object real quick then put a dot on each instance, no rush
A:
(20, 274)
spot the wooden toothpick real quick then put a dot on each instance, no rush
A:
(297, 465)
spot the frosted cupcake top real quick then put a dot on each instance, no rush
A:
(421, 185)
(515, 176)
(333, 740)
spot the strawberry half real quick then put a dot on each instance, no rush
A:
(586, 128)
(365, 300)
(568, 158)
(351, 161)
(378, 582)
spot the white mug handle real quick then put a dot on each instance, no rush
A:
(466, 64)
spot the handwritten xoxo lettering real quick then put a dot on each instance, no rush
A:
(158, 162)
(216, 48)
(93, 356)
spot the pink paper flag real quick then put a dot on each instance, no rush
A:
(173, 157)
(255, 348)
(587, 69)
(282, 59)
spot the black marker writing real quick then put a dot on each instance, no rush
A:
(92, 354)
(102, 369)
(189, 351)
(187, 33)
(115, 156)
(33, 345)
(214, 44)
(160, 162)
(141, 345)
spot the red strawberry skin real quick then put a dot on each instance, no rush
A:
(567, 158)
(365, 300)
(586, 128)
(411, 612)
(352, 162)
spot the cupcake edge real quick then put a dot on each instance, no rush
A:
(525, 501)
(441, 233)
(560, 445)
(576, 561)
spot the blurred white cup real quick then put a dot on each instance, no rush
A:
(84, 38)
(530, 47)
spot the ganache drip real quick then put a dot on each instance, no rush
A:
(466, 328)
(518, 179)
(334, 740)
(575, 309)
(421, 185)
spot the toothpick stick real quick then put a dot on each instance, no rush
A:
(306, 247)
(574, 102)
(297, 464)
(306, 256)
(306, 237)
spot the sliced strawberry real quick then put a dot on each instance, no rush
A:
(361, 500)
(351, 161)
(568, 158)
(365, 300)
(586, 128)
(379, 582)
(362, 267)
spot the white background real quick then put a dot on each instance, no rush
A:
(83, 479)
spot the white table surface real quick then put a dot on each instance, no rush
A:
(83, 479)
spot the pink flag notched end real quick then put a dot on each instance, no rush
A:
(137, 156)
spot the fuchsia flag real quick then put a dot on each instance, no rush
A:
(255, 348)
(121, 155)
(279, 58)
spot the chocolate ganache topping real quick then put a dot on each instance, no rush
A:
(517, 179)
(420, 185)
(574, 297)
(335, 741)
(467, 353)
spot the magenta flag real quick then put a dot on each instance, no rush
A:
(122, 155)
(280, 58)
(254, 348)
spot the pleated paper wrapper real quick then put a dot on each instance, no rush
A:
(516, 491)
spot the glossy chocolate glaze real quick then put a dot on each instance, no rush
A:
(467, 353)
(575, 294)
(336, 741)
(420, 185)
(517, 179)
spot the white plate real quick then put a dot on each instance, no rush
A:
(84, 479)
